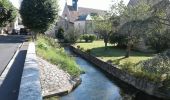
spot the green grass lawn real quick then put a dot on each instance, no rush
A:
(114, 54)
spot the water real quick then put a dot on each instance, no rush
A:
(97, 86)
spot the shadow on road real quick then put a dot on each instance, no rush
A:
(13, 39)
(9, 90)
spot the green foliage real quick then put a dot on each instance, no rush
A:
(103, 26)
(118, 39)
(39, 15)
(8, 13)
(60, 33)
(128, 66)
(56, 55)
(71, 36)
(92, 37)
(42, 45)
(159, 41)
(160, 64)
(141, 11)
(117, 9)
(88, 37)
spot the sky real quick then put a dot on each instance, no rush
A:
(96, 4)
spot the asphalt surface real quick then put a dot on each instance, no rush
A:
(8, 47)
(9, 90)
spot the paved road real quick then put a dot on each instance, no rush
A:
(8, 47)
(9, 90)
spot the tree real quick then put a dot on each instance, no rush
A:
(116, 11)
(71, 36)
(8, 12)
(103, 26)
(158, 35)
(134, 17)
(159, 41)
(60, 33)
(39, 15)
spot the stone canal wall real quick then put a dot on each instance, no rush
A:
(146, 86)
(30, 88)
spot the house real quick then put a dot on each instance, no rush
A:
(15, 25)
(79, 18)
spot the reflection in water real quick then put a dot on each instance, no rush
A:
(96, 86)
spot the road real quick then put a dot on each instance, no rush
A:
(8, 45)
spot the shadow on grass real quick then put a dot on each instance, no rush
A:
(112, 51)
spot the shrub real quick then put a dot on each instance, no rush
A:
(128, 66)
(42, 46)
(159, 65)
(89, 37)
(85, 37)
(82, 49)
(60, 33)
(159, 41)
(78, 47)
(119, 39)
(88, 51)
(92, 37)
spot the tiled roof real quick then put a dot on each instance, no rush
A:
(74, 15)
(132, 2)
(86, 11)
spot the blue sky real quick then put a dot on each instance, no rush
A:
(97, 4)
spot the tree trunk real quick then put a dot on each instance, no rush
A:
(105, 45)
(34, 36)
(128, 51)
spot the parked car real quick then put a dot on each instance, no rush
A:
(14, 32)
(23, 31)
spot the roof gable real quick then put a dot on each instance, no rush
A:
(73, 15)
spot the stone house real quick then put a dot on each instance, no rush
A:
(16, 25)
(78, 18)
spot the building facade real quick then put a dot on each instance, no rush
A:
(79, 18)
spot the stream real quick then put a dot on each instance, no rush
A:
(97, 85)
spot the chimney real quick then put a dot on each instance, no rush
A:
(75, 4)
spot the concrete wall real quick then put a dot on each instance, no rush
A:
(146, 86)
(30, 88)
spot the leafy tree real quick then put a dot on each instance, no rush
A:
(8, 12)
(103, 26)
(39, 15)
(116, 12)
(71, 36)
(158, 35)
(134, 17)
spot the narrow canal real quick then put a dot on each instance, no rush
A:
(97, 86)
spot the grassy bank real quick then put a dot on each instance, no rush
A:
(49, 50)
(112, 53)
(138, 64)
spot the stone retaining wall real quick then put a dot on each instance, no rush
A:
(30, 88)
(146, 86)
